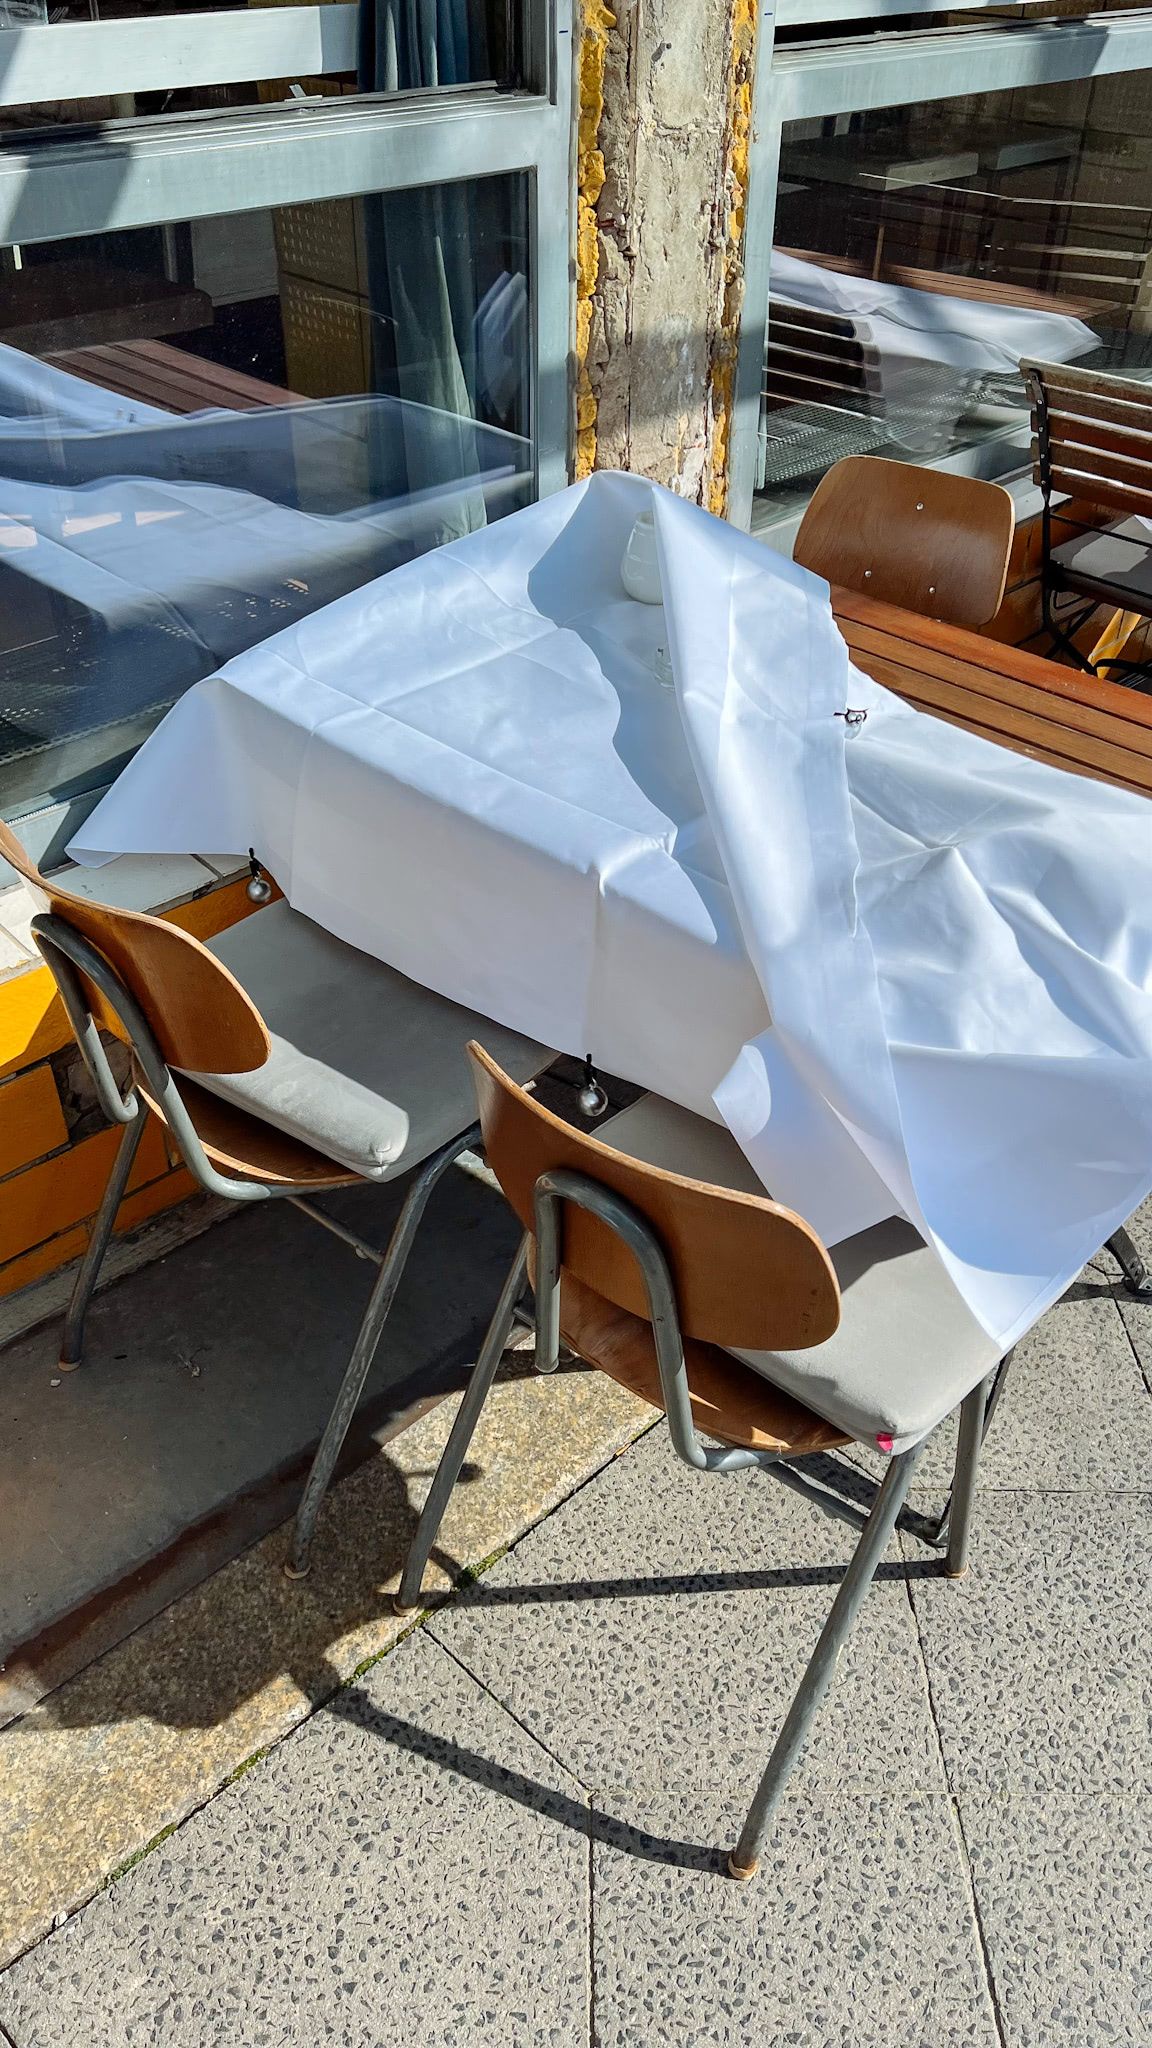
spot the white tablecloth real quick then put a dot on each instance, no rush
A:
(471, 769)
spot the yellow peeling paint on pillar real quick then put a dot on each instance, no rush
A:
(738, 133)
(598, 21)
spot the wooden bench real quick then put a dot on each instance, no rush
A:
(159, 374)
(1025, 702)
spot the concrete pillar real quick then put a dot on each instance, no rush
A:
(664, 118)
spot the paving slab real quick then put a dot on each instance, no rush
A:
(212, 1370)
(654, 1631)
(1137, 1315)
(858, 1933)
(1064, 1888)
(1038, 1662)
(410, 1871)
(156, 1726)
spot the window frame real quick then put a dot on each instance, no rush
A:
(801, 81)
(45, 62)
(90, 59)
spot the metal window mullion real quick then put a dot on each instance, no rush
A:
(130, 177)
(810, 80)
(553, 295)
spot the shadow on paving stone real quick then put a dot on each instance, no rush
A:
(195, 1675)
(198, 1673)
(355, 1705)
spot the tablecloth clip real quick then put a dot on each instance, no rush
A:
(851, 717)
(592, 1100)
(259, 888)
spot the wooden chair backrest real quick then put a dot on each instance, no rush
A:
(1092, 436)
(199, 1014)
(746, 1271)
(931, 542)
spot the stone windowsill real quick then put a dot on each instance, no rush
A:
(133, 882)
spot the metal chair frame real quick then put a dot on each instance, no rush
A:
(1132, 1268)
(70, 956)
(555, 1188)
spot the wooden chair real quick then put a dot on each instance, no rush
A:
(282, 1062)
(654, 1259)
(1092, 442)
(924, 539)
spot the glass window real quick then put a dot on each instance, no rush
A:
(210, 428)
(921, 251)
(471, 42)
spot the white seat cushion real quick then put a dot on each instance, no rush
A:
(907, 1349)
(366, 1066)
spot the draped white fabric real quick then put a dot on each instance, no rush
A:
(941, 327)
(470, 768)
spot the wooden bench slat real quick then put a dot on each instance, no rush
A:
(933, 636)
(1094, 466)
(1028, 698)
(1030, 750)
(159, 374)
(1029, 732)
(1074, 402)
(1101, 490)
(1067, 431)
(1005, 694)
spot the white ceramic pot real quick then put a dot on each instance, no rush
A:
(640, 566)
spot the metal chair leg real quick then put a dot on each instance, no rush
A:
(1131, 1265)
(298, 1562)
(968, 1446)
(744, 1860)
(992, 1390)
(72, 1340)
(407, 1600)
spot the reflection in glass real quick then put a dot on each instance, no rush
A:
(430, 43)
(214, 440)
(922, 251)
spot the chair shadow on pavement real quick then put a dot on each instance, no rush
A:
(248, 1628)
(580, 1811)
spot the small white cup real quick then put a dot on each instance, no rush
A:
(640, 566)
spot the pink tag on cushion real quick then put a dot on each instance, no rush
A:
(885, 1442)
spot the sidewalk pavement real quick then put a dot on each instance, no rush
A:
(508, 1831)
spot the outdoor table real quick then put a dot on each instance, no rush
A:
(475, 769)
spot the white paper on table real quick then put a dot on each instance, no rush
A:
(470, 768)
